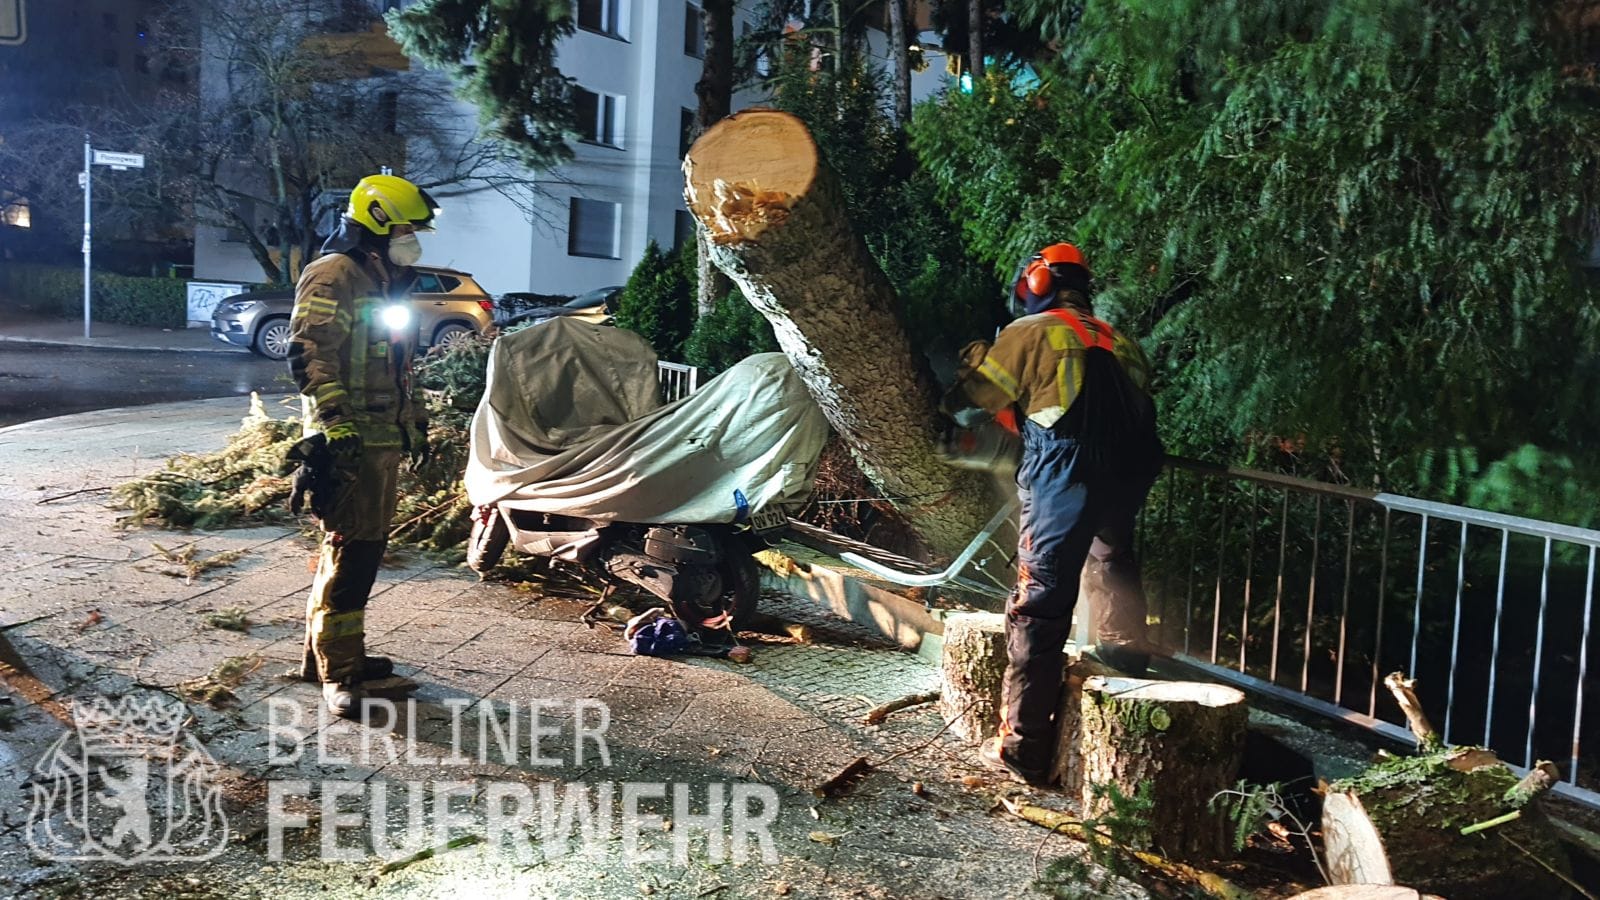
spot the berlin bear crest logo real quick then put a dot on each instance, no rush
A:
(127, 785)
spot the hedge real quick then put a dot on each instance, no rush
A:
(117, 299)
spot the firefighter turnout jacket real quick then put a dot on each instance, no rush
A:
(350, 364)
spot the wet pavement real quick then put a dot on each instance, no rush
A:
(117, 670)
(40, 381)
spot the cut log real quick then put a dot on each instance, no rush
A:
(776, 224)
(1185, 740)
(1364, 892)
(1401, 822)
(971, 673)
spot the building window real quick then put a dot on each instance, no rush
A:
(682, 228)
(16, 213)
(594, 229)
(599, 117)
(601, 16)
(389, 111)
(108, 57)
(694, 31)
(109, 21)
(685, 132)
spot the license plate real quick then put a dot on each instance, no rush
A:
(770, 518)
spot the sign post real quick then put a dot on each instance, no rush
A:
(88, 200)
(119, 162)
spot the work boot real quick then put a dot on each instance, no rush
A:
(373, 668)
(993, 755)
(343, 698)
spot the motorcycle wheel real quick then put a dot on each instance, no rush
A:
(488, 543)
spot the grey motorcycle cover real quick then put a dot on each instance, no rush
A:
(571, 422)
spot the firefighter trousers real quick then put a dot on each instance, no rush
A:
(1066, 520)
(354, 537)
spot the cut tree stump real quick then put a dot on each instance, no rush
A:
(971, 673)
(776, 225)
(1456, 822)
(1185, 740)
(1400, 822)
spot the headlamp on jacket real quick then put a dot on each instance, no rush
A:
(396, 316)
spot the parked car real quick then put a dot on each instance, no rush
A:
(598, 306)
(449, 305)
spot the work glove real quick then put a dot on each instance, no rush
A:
(418, 451)
(344, 445)
(314, 479)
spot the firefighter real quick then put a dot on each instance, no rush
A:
(1076, 390)
(353, 335)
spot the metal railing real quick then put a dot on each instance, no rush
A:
(677, 381)
(1490, 613)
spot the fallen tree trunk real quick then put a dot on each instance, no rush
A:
(776, 223)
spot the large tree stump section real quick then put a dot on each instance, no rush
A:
(777, 227)
(1400, 822)
(1185, 740)
(972, 671)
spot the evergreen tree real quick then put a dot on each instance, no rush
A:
(1350, 224)
(658, 301)
(501, 56)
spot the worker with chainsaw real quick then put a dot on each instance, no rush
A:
(1077, 391)
(353, 336)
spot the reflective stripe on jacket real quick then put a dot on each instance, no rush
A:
(1037, 363)
(346, 362)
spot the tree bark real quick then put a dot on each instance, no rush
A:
(971, 672)
(715, 92)
(975, 38)
(1184, 740)
(776, 225)
(899, 47)
(1401, 822)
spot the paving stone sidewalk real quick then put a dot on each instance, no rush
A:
(88, 610)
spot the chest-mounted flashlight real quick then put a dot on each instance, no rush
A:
(396, 317)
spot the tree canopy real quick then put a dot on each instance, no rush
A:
(500, 54)
(1350, 225)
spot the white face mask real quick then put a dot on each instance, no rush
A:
(405, 250)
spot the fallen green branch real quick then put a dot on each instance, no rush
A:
(1212, 884)
(465, 840)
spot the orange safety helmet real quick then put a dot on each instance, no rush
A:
(1042, 274)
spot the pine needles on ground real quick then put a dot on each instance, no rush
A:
(216, 490)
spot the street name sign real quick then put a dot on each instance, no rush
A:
(13, 25)
(118, 160)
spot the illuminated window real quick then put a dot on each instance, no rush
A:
(16, 214)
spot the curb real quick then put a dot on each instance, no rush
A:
(83, 344)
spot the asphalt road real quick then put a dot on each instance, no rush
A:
(37, 382)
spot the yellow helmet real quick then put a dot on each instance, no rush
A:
(380, 202)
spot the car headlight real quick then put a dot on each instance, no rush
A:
(396, 316)
(240, 306)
